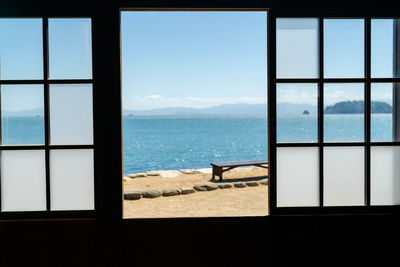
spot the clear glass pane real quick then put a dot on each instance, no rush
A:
(297, 48)
(344, 112)
(385, 44)
(297, 112)
(23, 180)
(385, 176)
(70, 48)
(72, 179)
(343, 48)
(22, 114)
(71, 114)
(343, 176)
(297, 176)
(382, 113)
(21, 49)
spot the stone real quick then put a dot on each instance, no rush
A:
(211, 187)
(186, 190)
(188, 171)
(132, 175)
(239, 185)
(132, 195)
(152, 173)
(151, 193)
(264, 182)
(204, 171)
(170, 192)
(252, 183)
(169, 174)
(199, 187)
(224, 185)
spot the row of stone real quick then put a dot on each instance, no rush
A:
(153, 193)
(167, 173)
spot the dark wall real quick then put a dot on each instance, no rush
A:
(279, 241)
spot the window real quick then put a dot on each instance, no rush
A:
(46, 137)
(334, 114)
(194, 87)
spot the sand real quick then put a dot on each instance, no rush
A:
(248, 201)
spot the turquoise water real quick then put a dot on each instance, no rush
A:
(22, 130)
(187, 143)
(162, 143)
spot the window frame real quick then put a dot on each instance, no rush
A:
(46, 81)
(367, 80)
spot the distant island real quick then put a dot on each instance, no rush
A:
(357, 107)
(306, 112)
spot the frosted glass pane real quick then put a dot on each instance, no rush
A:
(343, 48)
(297, 112)
(23, 180)
(70, 48)
(383, 50)
(21, 49)
(297, 176)
(22, 115)
(385, 175)
(344, 112)
(382, 111)
(343, 176)
(71, 114)
(72, 179)
(297, 48)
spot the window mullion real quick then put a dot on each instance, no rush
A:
(46, 109)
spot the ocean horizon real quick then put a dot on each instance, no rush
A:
(194, 141)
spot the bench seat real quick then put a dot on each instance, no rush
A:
(220, 167)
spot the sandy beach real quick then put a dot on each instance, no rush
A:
(246, 201)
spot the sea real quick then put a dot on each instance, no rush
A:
(173, 143)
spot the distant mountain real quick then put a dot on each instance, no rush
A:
(225, 109)
(24, 113)
(357, 107)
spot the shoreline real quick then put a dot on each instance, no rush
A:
(245, 196)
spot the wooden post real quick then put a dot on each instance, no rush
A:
(396, 86)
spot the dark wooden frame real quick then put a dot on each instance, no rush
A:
(367, 81)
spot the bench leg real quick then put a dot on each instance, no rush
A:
(214, 169)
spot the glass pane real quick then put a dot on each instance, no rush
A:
(382, 113)
(23, 180)
(343, 48)
(385, 178)
(385, 42)
(343, 176)
(344, 112)
(297, 48)
(297, 176)
(22, 115)
(70, 48)
(72, 179)
(71, 114)
(297, 112)
(21, 49)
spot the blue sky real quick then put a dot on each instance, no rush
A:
(193, 59)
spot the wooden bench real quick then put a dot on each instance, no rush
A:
(218, 168)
